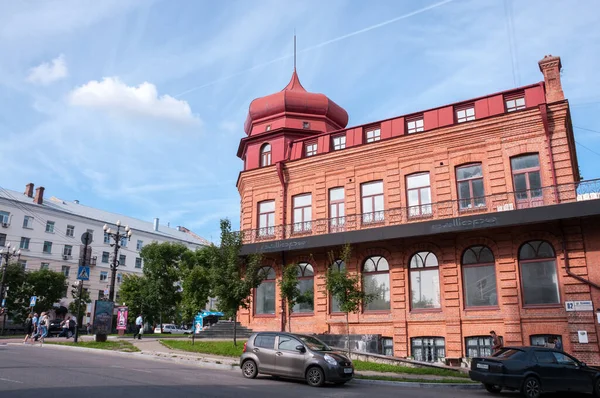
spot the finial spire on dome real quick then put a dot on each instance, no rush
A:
(294, 49)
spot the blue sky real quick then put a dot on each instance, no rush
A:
(137, 107)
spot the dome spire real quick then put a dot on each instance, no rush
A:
(294, 49)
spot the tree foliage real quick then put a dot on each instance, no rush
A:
(195, 284)
(232, 278)
(290, 291)
(78, 305)
(48, 286)
(136, 293)
(346, 287)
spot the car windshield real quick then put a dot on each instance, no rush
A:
(314, 344)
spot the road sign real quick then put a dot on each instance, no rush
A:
(585, 305)
(32, 301)
(83, 273)
(86, 238)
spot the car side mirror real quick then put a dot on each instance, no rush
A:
(300, 348)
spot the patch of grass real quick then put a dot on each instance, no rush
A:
(222, 348)
(414, 380)
(382, 367)
(118, 345)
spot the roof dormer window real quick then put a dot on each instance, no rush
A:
(373, 134)
(465, 113)
(310, 149)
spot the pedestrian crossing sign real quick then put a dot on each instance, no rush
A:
(83, 273)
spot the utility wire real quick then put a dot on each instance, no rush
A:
(583, 146)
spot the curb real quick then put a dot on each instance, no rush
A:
(457, 386)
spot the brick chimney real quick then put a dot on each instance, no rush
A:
(550, 67)
(29, 190)
(39, 196)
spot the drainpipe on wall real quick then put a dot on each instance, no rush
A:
(568, 266)
(283, 320)
(544, 112)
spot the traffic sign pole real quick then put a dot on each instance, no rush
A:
(86, 239)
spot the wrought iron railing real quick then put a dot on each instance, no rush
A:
(507, 201)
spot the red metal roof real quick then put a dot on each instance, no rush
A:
(295, 99)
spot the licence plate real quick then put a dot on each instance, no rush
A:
(347, 370)
(483, 366)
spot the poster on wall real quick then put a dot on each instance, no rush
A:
(103, 317)
(122, 313)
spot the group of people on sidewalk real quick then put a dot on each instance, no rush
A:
(36, 327)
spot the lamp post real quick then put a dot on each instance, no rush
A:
(118, 236)
(6, 254)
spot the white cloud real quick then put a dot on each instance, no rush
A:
(112, 95)
(49, 72)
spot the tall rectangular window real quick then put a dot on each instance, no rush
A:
(372, 202)
(374, 134)
(106, 238)
(28, 222)
(68, 250)
(124, 241)
(138, 262)
(122, 259)
(337, 211)
(465, 114)
(415, 124)
(65, 269)
(527, 180)
(514, 103)
(24, 243)
(266, 218)
(50, 226)
(70, 230)
(470, 186)
(139, 245)
(105, 257)
(302, 213)
(2, 240)
(103, 276)
(23, 264)
(4, 217)
(47, 247)
(339, 142)
(310, 149)
(44, 266)
(418, 190)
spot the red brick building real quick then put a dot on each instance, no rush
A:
(462, 219)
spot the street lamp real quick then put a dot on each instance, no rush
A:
(6, 254)
(118, 236)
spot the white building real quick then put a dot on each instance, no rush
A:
(48, 232)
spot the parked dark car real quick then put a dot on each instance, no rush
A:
(533, 371)
(294, 356)
(55, 328)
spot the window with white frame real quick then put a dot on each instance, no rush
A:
(50, 226)
(122, 259)
(339, 142)
(47, 247)
(415, 125)
(105, 257)
(2, 240)
(514, 103)
(337, 211)
(124, 241)
(119, 278)
(372, 202)
(28, 222)
(4, 217)
(302, 216)
(374, 134)
(24, 243)
(65, 269)
(138, 262)
(103, 276)
(44, 266)
(70, 230)
(139, 245)
(68, 250)
(266, 218)
(310, 149)
(106, 238)
(418, 190)
(465, 114)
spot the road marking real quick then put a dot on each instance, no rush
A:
(116, 366)
(141, 370)
(13, 381)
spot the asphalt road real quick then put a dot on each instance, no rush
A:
(54, 372)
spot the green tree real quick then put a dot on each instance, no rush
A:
(78, 305)
(290, 291)
(136, 293)
(345, 287)
(163, 264)
(195, 284)
(232, 277)
(48, 286)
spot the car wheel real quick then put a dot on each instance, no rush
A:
(315, 377)
(531, 388)
(493, 388)
(249, 369)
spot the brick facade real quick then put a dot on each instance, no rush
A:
(543, 127)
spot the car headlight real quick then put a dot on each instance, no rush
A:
(330, 360)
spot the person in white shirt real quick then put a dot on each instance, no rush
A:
(139, 326)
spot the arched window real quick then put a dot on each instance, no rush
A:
(338, 265)
(306, 276)
(376, 281)
(265, 155)
(479, 277)
(424, 281)
(539, 279)
(265, 293)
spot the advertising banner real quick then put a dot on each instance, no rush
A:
(122, 318)
(103, 317)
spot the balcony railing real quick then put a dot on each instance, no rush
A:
(544, 196)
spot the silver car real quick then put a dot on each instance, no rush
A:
(294, 356)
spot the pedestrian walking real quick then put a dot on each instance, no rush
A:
(65, 328)
(89, 328)
(44, 326)
(139, 326)
(72, 325)
(496, 342)
(36, 326)
(28, 328)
